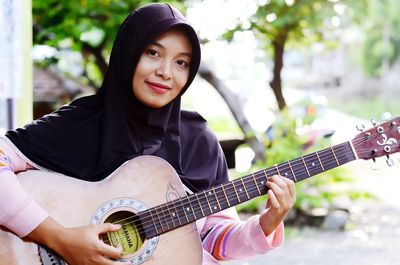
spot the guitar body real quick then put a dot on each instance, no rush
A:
(140, 183)
(146, 197)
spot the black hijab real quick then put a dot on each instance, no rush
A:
(91, 137)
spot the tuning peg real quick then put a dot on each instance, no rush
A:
(373, 121)
(360, 127)
(375, 165)
(389, 161)
(386, 116)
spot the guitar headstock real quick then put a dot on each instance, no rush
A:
(381, 140)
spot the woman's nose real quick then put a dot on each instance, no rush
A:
(164, 71)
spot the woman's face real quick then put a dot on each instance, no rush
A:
(163, 69)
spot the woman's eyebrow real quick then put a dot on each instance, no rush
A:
(157, 44)
(188, 54)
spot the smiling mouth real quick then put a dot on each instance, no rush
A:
(158, 88)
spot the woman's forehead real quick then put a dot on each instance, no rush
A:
(174, 38)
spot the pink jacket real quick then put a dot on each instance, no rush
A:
(224, 236)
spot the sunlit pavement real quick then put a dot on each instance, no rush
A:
(372, 236)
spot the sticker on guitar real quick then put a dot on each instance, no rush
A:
(386, 141)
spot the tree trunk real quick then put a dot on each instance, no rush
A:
(236, 109)
(276, 82)
(230, 99)
(97, 53)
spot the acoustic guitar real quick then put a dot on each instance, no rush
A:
(146, 197)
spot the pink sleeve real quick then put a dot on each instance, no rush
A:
(18, 211)
(226, 237)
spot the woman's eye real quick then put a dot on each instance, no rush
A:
(182, 63)
(152, 52)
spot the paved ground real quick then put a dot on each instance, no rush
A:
(374, 239)
(372, 236)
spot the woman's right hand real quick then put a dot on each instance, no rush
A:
(78, 245)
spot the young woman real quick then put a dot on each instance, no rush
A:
(136, 112)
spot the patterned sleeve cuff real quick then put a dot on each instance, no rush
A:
(257, 239)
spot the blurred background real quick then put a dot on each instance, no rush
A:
(279, 79)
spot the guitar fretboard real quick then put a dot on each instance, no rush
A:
(188, 209)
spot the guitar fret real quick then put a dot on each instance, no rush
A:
(216, 198)
(201, 207)
(245, 189)
(170, 217)
(328, 158)
(252, 190)
(261, 179)
(333, 152)
(229, 204)
(241, 189)
(213, 204)
(284, 170)
(312, 164)
(222, 199)
(184, 210)
(176, 213)
(234, 187)
(161, 220)
(300, 167)
(274, 171)
(305, 165)
(277, 169)
(255, 182)
(209, 206)
(291, 169)
(265, 174)
(322, 166)
(153, 221)
(190, 208)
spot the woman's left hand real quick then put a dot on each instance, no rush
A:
(281, 197)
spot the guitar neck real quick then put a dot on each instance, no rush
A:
(188, 209)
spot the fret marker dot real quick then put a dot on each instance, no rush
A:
(286, 174)
(215, 208)
(187, 209)
(262, 182)
(209, 193)
(240, 190)
(173, 214)
(313, 164)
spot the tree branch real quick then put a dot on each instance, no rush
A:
(236, 109)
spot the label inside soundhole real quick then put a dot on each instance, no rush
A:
(130, 236)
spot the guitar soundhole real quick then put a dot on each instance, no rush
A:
(131, 235)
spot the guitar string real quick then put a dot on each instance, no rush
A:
(170, 223)
(214, 199)
(262, 173)
(167, 223)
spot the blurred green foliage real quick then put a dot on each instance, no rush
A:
(276, 24)
(315, 192)
(381, 47)
(365, 107)
(302, 21)
(86, 26)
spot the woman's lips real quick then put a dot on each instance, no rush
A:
(158, 88)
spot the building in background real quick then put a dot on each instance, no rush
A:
(15, 63)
